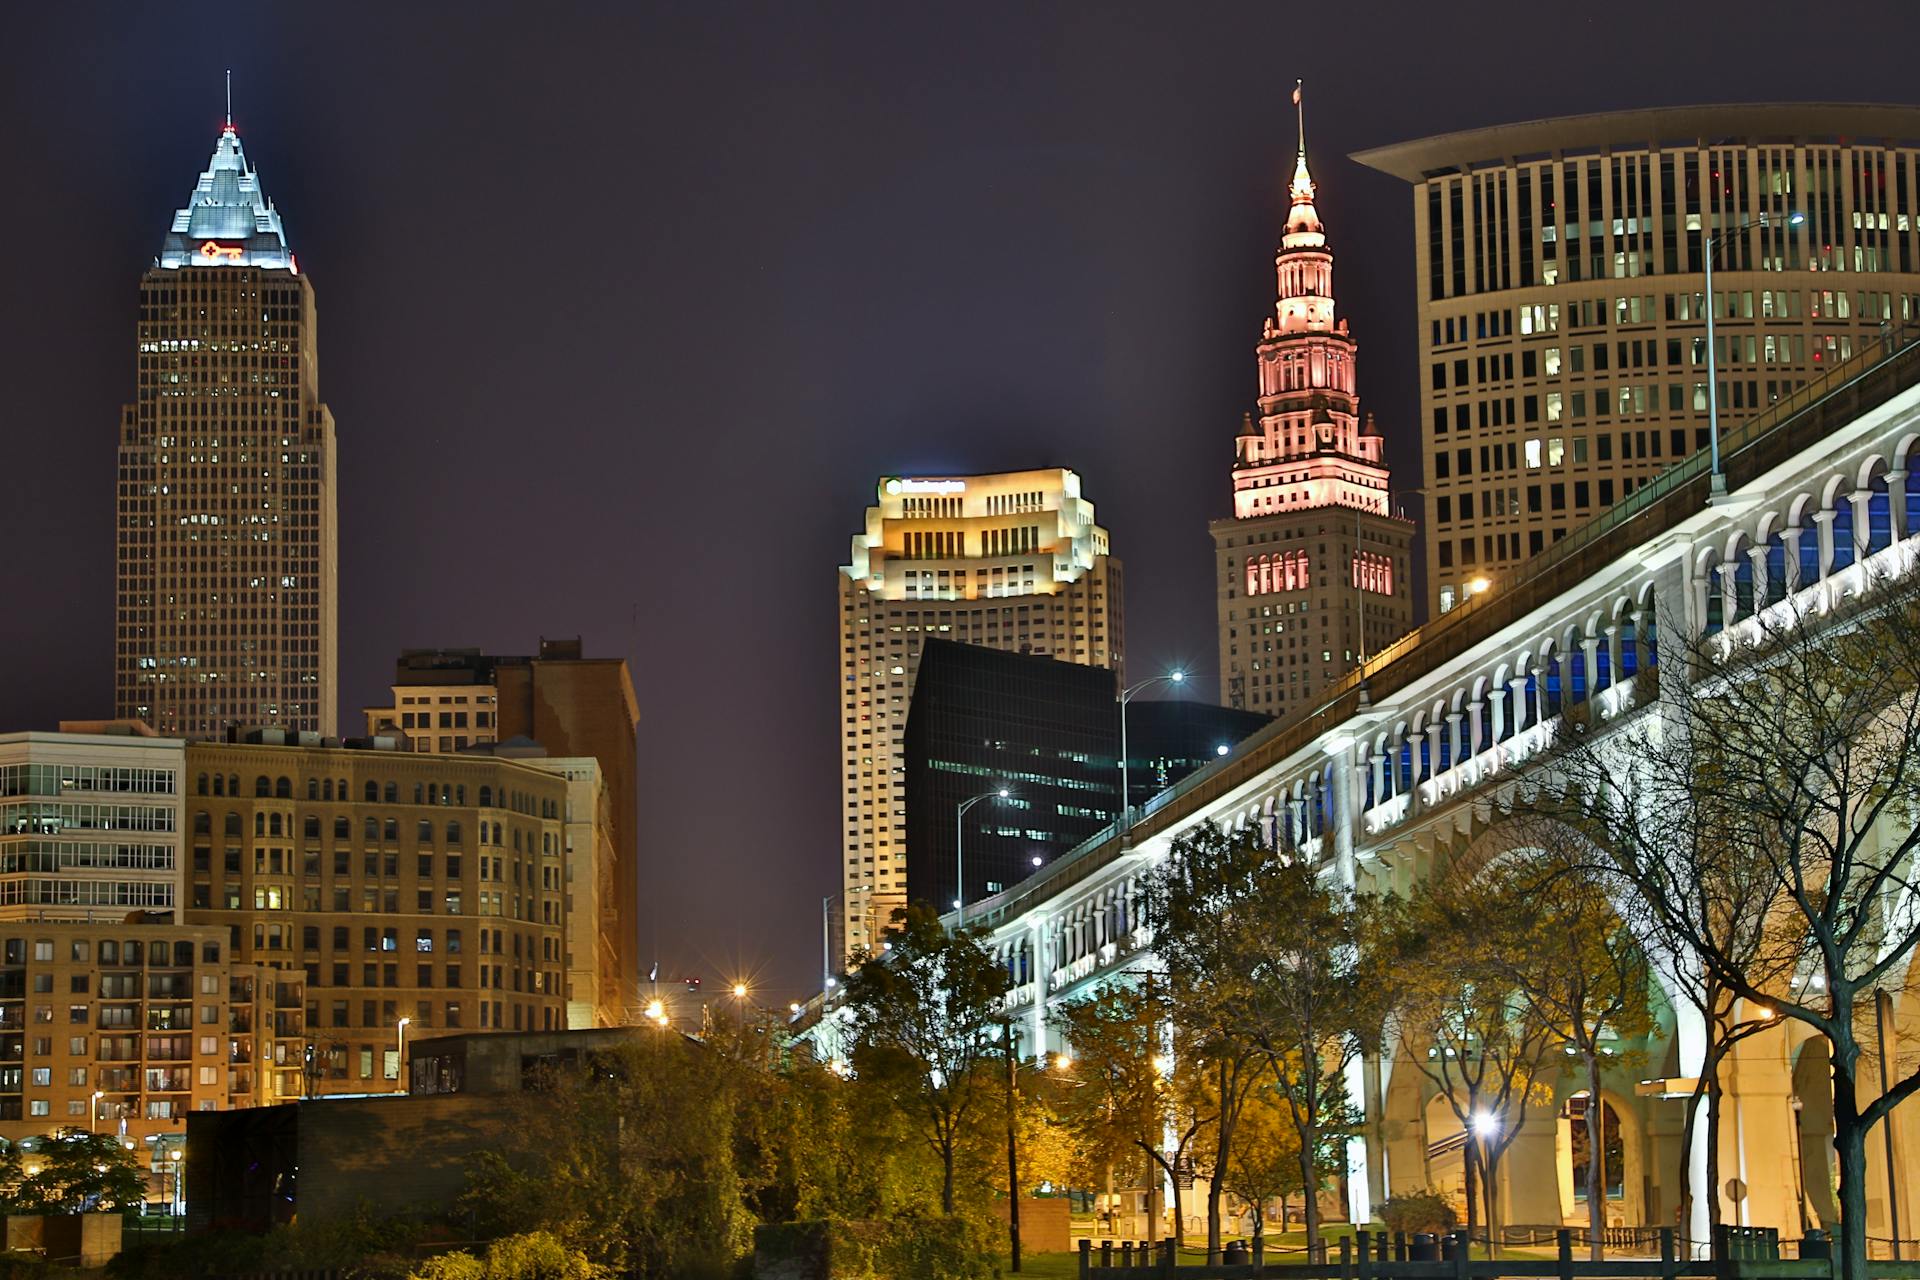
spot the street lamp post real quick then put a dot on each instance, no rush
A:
(97, 1095)
(173, 1165)
(960, 852)
(1718, 485)
(400, 1052)
(1125, 696)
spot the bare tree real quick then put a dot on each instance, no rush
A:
(1765, 813)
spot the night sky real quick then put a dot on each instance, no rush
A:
(623, 308)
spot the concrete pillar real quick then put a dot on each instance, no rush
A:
(1529, 1177)
(1345, 817)
(1589, 646)
(1791, 537)
(1476, 728)
(1758, 1132)
(1897, 520)
(1823, 521)
(1454, 742)
(1497, 705)
(1729, 602)
(1360, 1172)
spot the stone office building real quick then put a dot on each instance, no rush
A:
(413, 891)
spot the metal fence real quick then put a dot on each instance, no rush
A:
(1739, 1253)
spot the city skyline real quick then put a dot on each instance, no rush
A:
(1155, 303)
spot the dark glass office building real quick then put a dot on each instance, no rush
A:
(1049, 733)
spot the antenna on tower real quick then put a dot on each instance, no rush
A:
(230, 98)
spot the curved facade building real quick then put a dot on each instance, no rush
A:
(1562, 298)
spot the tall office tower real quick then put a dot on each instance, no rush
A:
(1312, 567)
(226, 609)
(1011, 561)
(573, 706)
(89, 824)
(1561, 284)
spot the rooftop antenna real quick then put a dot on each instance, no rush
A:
(229, 98)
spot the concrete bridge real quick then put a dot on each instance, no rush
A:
(1407, 760)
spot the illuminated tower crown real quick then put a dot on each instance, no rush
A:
(1309, 446)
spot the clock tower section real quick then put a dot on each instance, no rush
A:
(1311, 568)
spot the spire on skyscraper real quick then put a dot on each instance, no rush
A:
(1303, 220)
(228, 220)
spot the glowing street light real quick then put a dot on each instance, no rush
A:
(1717, 486)
(1176, 676)
(97, 1095)
(400, 1051)
(960, 852)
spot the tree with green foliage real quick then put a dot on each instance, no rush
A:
(924, 1024)
(71, 1171)
(1105, 1093)
(1481, 1043)
(1264, 1165)
(633, 1161)
(1270, 953)
(1140, 1080)
(1570, 956)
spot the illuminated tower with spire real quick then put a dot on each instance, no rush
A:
(1311, 568)
(226, 607)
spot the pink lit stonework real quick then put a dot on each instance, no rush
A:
(1312, 564)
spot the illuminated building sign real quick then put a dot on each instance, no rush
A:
(896, 486)
(214, 251)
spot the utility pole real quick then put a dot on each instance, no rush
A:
(1013, 1143)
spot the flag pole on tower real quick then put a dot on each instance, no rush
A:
(1300, 115)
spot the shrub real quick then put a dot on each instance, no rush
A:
(923, 1248)
(1423, 1209)
(536, 1255)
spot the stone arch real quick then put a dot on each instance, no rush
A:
(1813, 1091)
(1742, 601)
(1628, 1208)
(1875, 524)
(1551, 679)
